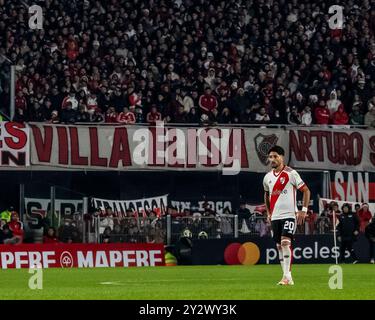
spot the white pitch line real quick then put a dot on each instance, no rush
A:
(118, 283)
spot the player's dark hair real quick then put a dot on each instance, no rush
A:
(279, 150)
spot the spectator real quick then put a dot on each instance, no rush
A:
(185, 100)
(68, 232)
(244, 215)
(111, 115)
(153, 115)
(21, 102)
(70, 100)
(357, 207)
(117, 234)
(82, 115)
(261, 226)
(126, 116)
(193, 116)
(6, 214)
(6, 236)
(16, 227)
(225, 116)
(333, 213)
(340, 117)
(92, 102)
(322, 115)
(54, 117)
(370, 117)
(37, 112)
(106, 235)
(68, 115)
(262, 116)
(356, 117)
(294, 118)
(50, 237)
(240, 103)
(348, 230)
(323, 223)
(207, 101)
(132, 231)
(181, 116)
(333, 103)
(97, 116)
(20, 116)
(365, 216)
(306, 116)
(106, 239)
(157, 233)
(310, 222)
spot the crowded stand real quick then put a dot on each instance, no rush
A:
(225, 62)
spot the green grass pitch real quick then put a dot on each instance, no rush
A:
(190, 282)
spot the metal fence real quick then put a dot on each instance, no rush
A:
(43, 206)
(169, 230)
(204, 227)
(132, 229)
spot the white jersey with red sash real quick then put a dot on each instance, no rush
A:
(282, 188)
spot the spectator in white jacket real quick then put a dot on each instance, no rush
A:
(184, 99)
(306, 117)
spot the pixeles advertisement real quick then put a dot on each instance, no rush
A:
(262, 250)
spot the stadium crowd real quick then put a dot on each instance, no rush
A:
(193, 61)
(152, 227)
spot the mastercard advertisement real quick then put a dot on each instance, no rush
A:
(247, 253)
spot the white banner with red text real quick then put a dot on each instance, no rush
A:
(81, 255)
(14, 145)
(139, 206)
(227, 149)
(137, 148)
(332, 149)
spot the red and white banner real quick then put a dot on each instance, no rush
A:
(230, 150)
(332, 149)
(137, 148)
(353, 186)
(81, 255)
(14, 145)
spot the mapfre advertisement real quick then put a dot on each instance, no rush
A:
(81, 255)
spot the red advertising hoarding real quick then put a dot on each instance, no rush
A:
(81, 255)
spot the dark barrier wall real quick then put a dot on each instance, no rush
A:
(306, 249)
(181, 186)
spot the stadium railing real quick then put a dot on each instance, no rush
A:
(169, 230)
(224, 125)
(129, 229)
